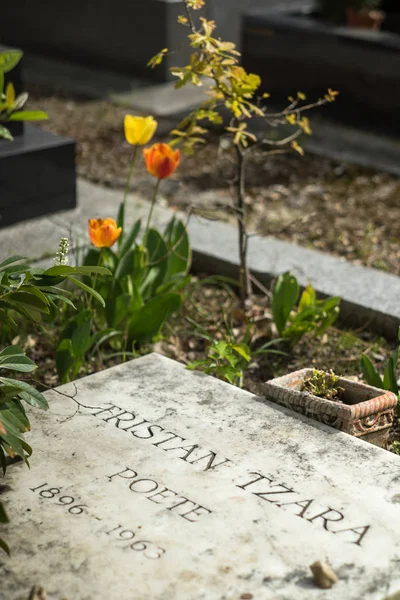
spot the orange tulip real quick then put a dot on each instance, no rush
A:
(103, 233)
(161, 160)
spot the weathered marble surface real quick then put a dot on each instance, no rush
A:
(324, 496)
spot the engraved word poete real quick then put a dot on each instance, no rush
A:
(159, 494)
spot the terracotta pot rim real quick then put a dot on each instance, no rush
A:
(384, 400)
(365, 19)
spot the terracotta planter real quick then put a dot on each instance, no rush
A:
(368, 19)
(366, 412)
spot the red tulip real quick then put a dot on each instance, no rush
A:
(161, 160)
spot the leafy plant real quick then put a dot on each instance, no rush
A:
(389, 379)
(229, 358)
(312, 315)
(13, 419)
(11, 105)
(236, 92)
(146, 279)
(323, 385)
(225, 360)
(34, 293)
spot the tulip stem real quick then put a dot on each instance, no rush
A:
(153, 201)
(121, 212)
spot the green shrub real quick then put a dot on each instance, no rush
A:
(312, 316)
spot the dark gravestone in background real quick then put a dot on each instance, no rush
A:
(37, 175)
(292, 50)
(392, 20)
(37, 169)
(114, 34)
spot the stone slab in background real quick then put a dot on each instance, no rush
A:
(37, 176)
(164, 100)
(156, 482)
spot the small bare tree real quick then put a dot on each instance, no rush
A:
(235, 90)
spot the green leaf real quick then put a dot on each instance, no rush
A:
(308, 298)
(243, 350)
(180, 254)
(5, 319)
(395, 357)
(28, 299)
(370, 374)
(175, 284)
(12, 438)
(64, 359)
(148, 321)
(16, 361)
(104, 336)
(28, 115)
(121, 220)
(81, 339)
(11, 351)
(284, 298)
(61, 297)
(327, 321)
(129, 239)
(28, 393)
(9, 59)
(125, 265)
(5, 133)
(12, 412)
(66, 271)
(158, 256)
(92, 270)
(123, 307)
(389, 377)
(88, 289)
(328, 304)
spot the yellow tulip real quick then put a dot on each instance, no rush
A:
(139, 130)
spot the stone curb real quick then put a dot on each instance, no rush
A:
(369, 297)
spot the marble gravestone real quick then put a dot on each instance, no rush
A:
(157, 483)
